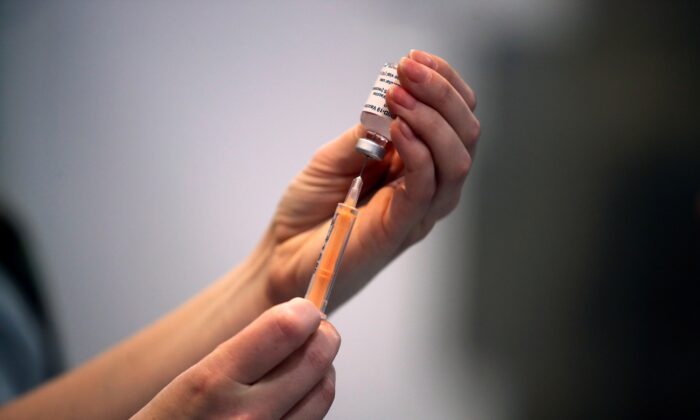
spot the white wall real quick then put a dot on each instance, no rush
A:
(146, 145)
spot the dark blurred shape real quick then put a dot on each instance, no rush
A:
(588, 254)
(29, 347)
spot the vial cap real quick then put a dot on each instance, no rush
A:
(370, 148)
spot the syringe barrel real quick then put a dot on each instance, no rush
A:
(331, 255)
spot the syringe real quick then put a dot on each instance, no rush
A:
(376, 118)
(331, 255)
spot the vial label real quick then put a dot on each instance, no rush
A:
(376, 103)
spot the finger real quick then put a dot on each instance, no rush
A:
(390, 215)
(339, 156)
(451, 159)
(267, 341)
(316, 403)
(448, 72)
(431, 88)
(404, 202)
(339, 159)
(289, 382)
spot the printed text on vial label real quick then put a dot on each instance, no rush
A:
(376, 103)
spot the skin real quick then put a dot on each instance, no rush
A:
(279, 365)
(242, 348)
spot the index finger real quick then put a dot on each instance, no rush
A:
(267, 341)
(448, 72)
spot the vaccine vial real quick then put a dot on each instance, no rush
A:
(376, 117)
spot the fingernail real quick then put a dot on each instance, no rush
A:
(402, 97)
(418, 73)
(423, 58)
(330, 327)
(405, 129)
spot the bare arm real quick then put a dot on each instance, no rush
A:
(118, 382)
(417, 184)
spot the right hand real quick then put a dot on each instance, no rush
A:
(418, 183)
(278, 366)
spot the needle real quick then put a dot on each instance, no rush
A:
(364, 164)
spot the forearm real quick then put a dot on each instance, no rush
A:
(123, 379)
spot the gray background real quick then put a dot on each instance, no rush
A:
(145, 146)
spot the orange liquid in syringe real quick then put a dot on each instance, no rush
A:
(325, 271)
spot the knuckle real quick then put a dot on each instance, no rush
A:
(448, 205)
(424, 229)
(425, 194)
(288, 323)
(331, 333)
(443, 93)
(328, 390)
(462, 167)
(471, 98)
(452, 204)
(429, 192)
(476, 129)
(423, 158)
(435, 123)
(420, 231)
(199, 384)
(319, 357)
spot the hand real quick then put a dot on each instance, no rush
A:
(278, 366)
(416, 184)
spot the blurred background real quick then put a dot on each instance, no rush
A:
(144, 146)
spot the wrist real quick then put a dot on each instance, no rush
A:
(248, 289)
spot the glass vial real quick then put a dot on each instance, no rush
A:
(376, 117)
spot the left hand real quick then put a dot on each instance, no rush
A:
(416, 184)
(280, 365)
